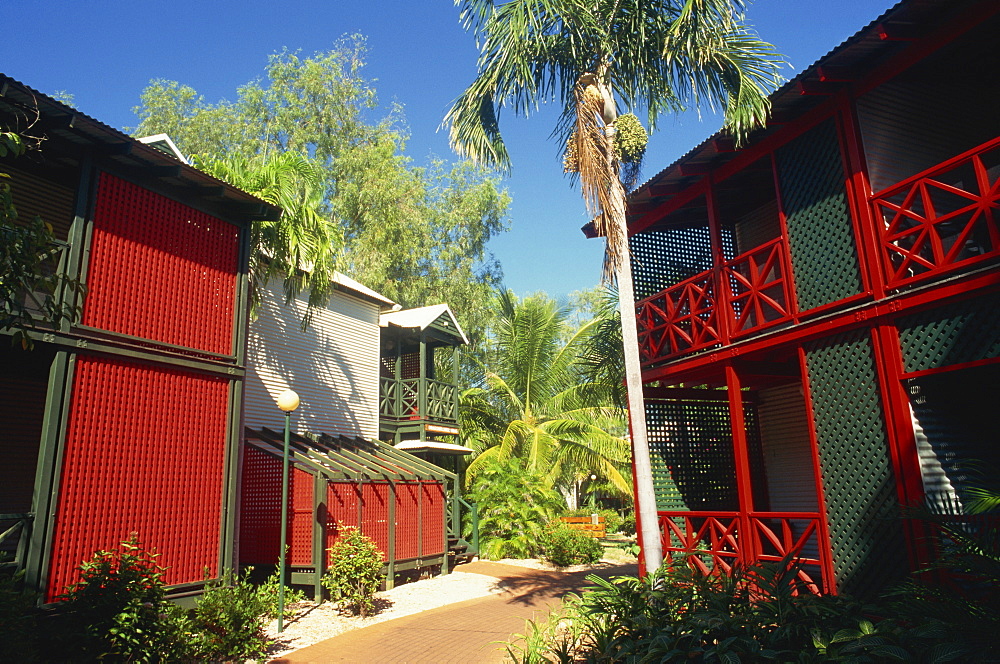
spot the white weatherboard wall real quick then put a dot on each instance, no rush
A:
(333, 365)
(784, 430)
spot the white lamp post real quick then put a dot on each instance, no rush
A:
(288, 401)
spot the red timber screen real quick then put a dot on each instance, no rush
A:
(433, 518)
(160, 270)
(145, 452)
(407, 521)
(260, 511)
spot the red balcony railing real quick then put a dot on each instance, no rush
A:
(716, 541)
(942, 218)
(680, 319)
(685, 317)
(759, 288)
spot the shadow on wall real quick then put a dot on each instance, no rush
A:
(332, 365)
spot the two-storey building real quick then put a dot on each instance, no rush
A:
(819, 309)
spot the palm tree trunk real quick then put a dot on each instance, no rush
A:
(645, 495)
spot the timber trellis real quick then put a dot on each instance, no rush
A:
(409, 507)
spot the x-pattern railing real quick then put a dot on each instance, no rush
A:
(684, 318)
(942, 217)
(14, 539)
(679, 319)
(759, 289)
(400, 399)
(716, 541)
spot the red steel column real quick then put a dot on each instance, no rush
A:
(741, 456)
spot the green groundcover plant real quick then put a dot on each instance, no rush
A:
(760, 613)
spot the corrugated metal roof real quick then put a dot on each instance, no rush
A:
(422, 317)
(71, 135)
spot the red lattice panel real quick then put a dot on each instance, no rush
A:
(145, 452)
(433, 517)
(260, 505)
(375, 514)
(160, 270)
(300, 526)
(260, 511)
(407, 521)
(342, 500)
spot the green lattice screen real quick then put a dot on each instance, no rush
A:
(964, 331)
(858, 481)
(824, 257)
(691, 452)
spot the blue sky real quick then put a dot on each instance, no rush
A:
(104, 52)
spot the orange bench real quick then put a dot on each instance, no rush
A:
(588, 525)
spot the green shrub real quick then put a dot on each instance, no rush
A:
(562, 546)
(227, 623)
(514, 508)
(117, 611)
(627, 526)
(355, 572)
(268, 593)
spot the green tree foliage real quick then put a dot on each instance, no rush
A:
(515, 504)
(416, 234)
(301, 237)
(586, 56)
(535, 405)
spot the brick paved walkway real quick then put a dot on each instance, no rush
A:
(463, 633)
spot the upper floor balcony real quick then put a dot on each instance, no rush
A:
(420, 398)
(418, 386)
(748, 293)
(941, 219)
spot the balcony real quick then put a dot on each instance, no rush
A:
(715, 542)
(689, 316)
(941, 219)
(415, 399)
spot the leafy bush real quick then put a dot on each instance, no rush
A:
(117, 611)
(514, 508)
(268, 594)
(227, 623)
(755, 614)
(355, 572)
(562, 546)
(628, 525)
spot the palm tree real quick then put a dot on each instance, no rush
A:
(586, 55)
(302, 247)
(535, 405)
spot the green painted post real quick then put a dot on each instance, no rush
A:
(390, 579)
(422, 380)
(284, 526)
(287, 401)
